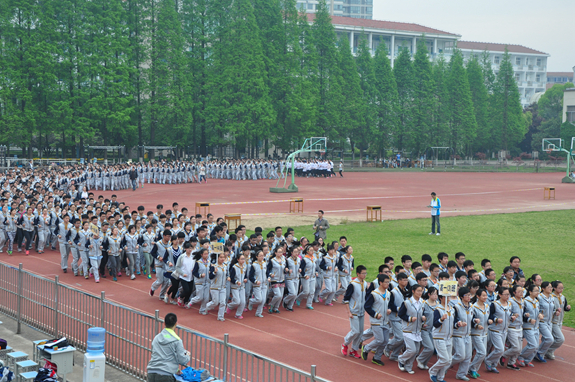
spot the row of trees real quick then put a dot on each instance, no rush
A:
(242, 73)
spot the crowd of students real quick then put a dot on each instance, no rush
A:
(485, 322)
(409, 320)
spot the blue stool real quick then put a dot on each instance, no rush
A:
(16, 357)
(28, 376)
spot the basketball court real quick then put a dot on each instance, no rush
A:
(303, 338)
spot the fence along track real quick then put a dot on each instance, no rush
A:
(62, 311)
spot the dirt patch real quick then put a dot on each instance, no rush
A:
(287, 220)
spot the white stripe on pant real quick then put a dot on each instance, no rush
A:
(428, 349)
(354, 335)
(546, 337)
(443, 348)
(218, 298)
(558, 338)
(462, 349)
(411, 351)
(480, 346)
(515, 340)
(498, 341)
(530, 349)
(396, 343)
(202, 295)
(381, 337)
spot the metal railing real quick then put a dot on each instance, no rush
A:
(62, 311)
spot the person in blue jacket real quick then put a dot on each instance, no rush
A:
(435, 206)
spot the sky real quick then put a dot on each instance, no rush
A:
(546, 26)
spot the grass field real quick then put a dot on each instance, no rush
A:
(541, 239)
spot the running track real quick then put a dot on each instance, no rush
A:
(303, 337)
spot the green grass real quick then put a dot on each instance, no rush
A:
(543, 241)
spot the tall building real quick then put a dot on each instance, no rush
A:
(395, 35)
(558, 78)
(358, 9)
(529, 65)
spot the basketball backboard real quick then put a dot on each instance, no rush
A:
(552, 144)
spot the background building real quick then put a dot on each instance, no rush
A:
(569, 107)
(529, 65)
(359, 9)
(394, 34)
(559, 78)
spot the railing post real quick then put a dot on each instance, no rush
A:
(225, 366)
(18, 330)
(313, 373)
(56, 281)
(102, 309)
(157, 317)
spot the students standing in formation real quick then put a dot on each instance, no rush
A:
(464, 331)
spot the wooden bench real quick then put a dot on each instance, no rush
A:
(296, 205)
(373, 214)
(547, 193)
(236, 218)
(202, 206)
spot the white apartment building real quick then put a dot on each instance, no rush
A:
(529, 65)
(569, 106)
(395, 35)
(359, 9)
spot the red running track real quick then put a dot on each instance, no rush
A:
(402, 195)
(303, 338)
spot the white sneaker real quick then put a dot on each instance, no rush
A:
(133, 277)
(188, 305)
(422, 366)
(431, 233)
(437, 234)
(166, 299)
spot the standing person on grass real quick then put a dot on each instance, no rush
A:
(168, 353)
(320, 226)
(435, 206)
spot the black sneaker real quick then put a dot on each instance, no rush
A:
(364, 353)
(513, 367)
(377, 362)
(65, 270)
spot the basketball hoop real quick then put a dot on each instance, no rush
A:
(548, 151)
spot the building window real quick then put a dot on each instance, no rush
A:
(571, 114)
(496, 60)
(301, 6)
(310, 6)
(526, 61)
(354, 2)
(539, 61)
(368, 2)
(354, 9)
(337, 7)
(369, 10)
(517, 77)
(538, 78)
(518, 61)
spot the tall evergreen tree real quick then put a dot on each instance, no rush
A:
(462, 123)
(480, 100)
(403, 73)
(387, 108)
(442, 107)
(509, 125)
(423, 99)
(352, 110)
(328, 74)
(366, 69)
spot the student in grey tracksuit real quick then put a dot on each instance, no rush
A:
(201, 280)
(74, 233)
(429, 307)
(500, 314)
(412, 319)
(61, 232)
(462, 346)
(445, 320)
(377, 306)
(131, 245)
(159, 251)
(94, 247)
(80, 243)
(354, 299)
(259, 280)
(113, 246)
(515, 330)
(479, 331)
(3, 235)
(328, 266)
(547, 308)
(27, 224)
(291, 278)
(43, 224)
(398, 294)
(276, 272)
(531, 317)
(218, 277)
(238, 278)
(345, 266)
(307, 273)
(561, 307)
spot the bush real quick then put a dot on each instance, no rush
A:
(481, 156)
(525, 155)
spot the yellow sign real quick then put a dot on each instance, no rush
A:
(448, 288)
(217, 247)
